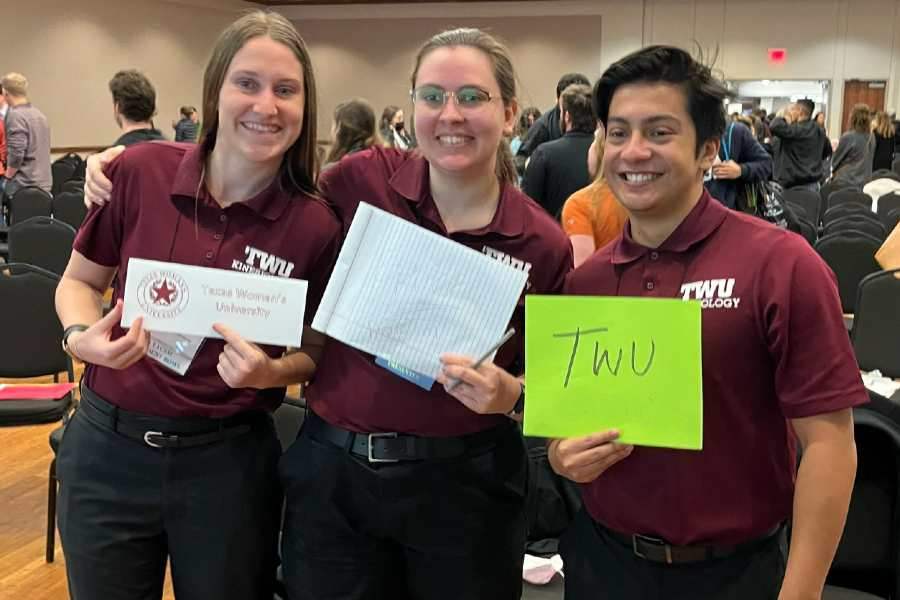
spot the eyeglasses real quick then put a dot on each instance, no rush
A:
(467, 98)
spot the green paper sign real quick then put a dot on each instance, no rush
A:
(598, 363)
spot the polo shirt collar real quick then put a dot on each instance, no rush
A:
(411, 181)
(700, 223)
(270, 203)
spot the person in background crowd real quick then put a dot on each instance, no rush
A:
(761, 126)
(353, 130)
(802, 147)
(4, 107)
(778, 370)
(853, 157)
(393, 129)
(558, 168)
(27, 139)
(186, 128)
(884, 132)
(820, 119)
(741, 161)
(2, 144)
(547, 128)
(592, 217)
(134, 104)
(523, 125)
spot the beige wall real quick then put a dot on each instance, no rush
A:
(376, 60)
(825, 39)
(69, 49)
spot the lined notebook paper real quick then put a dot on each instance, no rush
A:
(408, 295)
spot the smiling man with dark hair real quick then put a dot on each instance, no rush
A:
(777, 368)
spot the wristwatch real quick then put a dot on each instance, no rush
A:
(519, 407)
(65, 337)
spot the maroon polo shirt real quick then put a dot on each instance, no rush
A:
(153, 214)
(349, 389)
(774, 348)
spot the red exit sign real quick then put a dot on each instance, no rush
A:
(777, 55)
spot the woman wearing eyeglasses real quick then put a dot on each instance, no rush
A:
(439, 512)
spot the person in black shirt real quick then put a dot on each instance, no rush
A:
(559, 168)
(884, 132)
(134, 104)
(802, 149)
(547, 128)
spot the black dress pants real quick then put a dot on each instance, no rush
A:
(600, 567)
(125, 506)
(438, 529)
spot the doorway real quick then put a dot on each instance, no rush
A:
(861, 92)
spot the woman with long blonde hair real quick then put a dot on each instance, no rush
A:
(592, 217)
(883, 131)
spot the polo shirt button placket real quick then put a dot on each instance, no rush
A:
(209, 255)
(654, 255)
(649, 285)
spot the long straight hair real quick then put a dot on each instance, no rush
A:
(884, 125)
(299, 166)
(355, 121)
(503, 73)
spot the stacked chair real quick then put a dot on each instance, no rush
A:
(43, 242)
(867, 563)
(851, 255)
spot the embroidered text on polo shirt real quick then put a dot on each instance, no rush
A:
(508, 260)
(263, 263)
(712, 293)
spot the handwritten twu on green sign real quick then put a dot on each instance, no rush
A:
(598, 363)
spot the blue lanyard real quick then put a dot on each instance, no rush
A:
(726, 145)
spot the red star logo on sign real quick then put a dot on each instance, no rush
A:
(162, 294)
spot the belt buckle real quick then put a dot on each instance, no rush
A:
(667, 548)
(160, 434)
(373, 436)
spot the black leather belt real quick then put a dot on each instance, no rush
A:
(660, 551)
(165, 432)
(397, 447)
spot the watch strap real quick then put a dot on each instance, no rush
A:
(69, 331)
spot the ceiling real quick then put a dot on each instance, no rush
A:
(341, 2)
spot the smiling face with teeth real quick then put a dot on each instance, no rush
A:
(650, 159)
(261, 103)
(461, 143)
